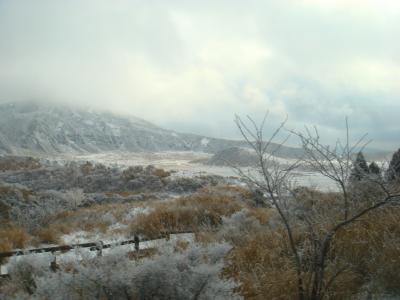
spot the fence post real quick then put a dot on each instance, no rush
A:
(137, 241)
(53, 265)
(100, 249)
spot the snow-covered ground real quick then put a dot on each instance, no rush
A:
(185, 165)
(79, 237)
(44, 259)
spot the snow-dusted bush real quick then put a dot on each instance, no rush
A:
(238, 226)
(36, 213)
(193, 273)
(23, 273)
(75, 197)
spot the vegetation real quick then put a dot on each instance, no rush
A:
(14, 163)
(393, 172)
(189, 273)
(360, 168)
(271, 239)
(202, 210)
(311, 226)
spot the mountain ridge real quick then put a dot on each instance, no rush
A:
(33, 127)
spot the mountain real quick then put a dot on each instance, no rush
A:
(34, 128)
(235, 156)
(28, 128)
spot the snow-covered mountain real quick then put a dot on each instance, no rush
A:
(32, 127)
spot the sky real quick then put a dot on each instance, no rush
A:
(192, 65)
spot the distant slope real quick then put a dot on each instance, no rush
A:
(235, 156)
(27, 128)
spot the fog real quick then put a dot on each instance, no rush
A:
(191, 65)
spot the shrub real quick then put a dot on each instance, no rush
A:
(261, 267)
(161, 173)
(191, 273)
(13, 236)
(47, 236)
(370, 248)
(204, 209)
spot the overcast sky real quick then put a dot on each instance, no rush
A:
(191, 65)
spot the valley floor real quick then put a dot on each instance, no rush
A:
(188, 164)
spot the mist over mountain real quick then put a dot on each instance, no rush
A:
(33, 127)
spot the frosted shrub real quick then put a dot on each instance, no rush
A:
(238, 226)
(37, 213)
(24, 269)
(74, 197)
(193, 273)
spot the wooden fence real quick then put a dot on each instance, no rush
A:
(93, 246)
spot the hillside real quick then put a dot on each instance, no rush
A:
(29, 128)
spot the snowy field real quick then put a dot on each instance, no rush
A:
(185, 164)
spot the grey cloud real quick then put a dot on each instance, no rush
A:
(191, 65)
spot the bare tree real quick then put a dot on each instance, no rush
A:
(310, 227)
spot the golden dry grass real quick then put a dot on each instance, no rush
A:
(368, 249)
(6, 191)
(260, 260)
(262, 268)
(372, 247)
(161, 173)
(47, 236)
(12, 237)
(203, 209)
(97, 218)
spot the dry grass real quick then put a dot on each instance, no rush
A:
(12, 164)
(144, 253)
(200, 210)
(263, 268)
(12, 237)
(260, 259)
(244, 193)
(263, 215)
(97, 218)
(123, 194)
(205, 237)
(6, 191)
(372, 247)
(47, 236)
(368, 251)
(161, 173)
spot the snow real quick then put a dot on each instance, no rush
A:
(89, 122)
(44, 259)
(136, 211)
(184, 164)
(205, 141)
(79, 237)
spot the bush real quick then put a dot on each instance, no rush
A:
(47, 236)
(370, 249)
(204, 209)
(13, 236)
(161, 173)
(191, 273)
(261, 267)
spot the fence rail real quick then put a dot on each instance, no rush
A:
(93, 246)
